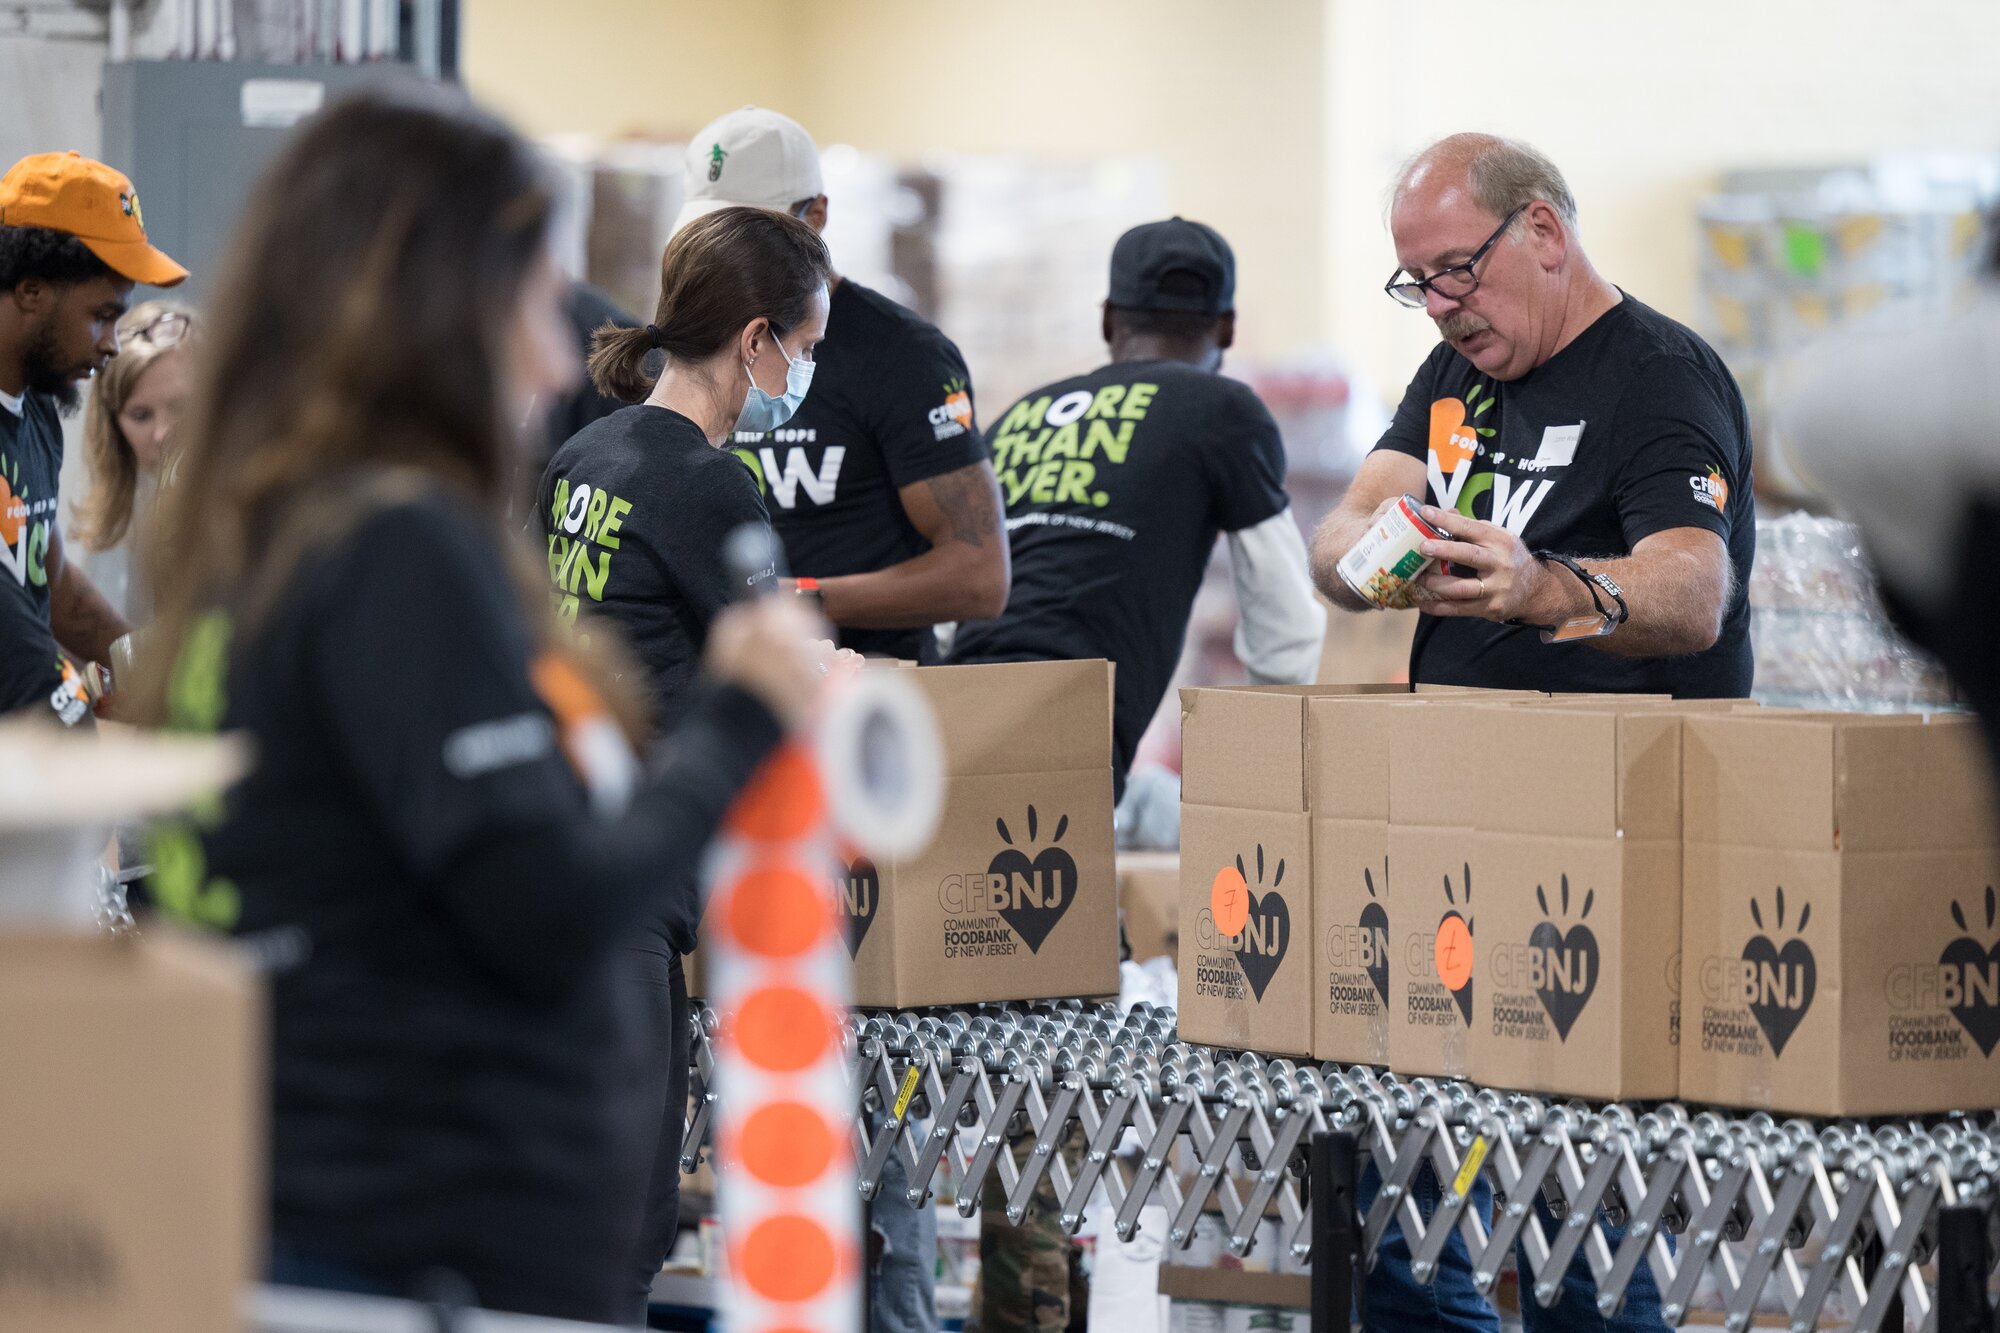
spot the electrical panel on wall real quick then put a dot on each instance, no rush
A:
(195, 135)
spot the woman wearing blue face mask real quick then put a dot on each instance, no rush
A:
(635, 508)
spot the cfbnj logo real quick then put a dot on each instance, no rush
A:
(1560, 967)
(1775, 984)
(860, 895)
(1366, 944)
(1265, 935)
(1031, 894)
(1965, 980)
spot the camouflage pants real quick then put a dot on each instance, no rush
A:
(1031, 1276)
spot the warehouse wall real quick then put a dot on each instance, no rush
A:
(1226, 97)
(1641, 106)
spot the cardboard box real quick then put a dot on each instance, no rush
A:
(131, 1133)
(1578, 854)
(1016, 898)
(1255, 784)
(1436, 785)
(1841, 940)
(1149, 902)
(1244, 803)
(1351, 741)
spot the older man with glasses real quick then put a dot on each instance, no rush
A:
(1586, 461)
(1586, 458)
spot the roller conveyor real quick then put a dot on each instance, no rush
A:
(1893, 1219)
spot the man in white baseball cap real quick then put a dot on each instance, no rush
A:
(880, 486)
(751, 158)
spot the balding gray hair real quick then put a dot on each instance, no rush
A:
(1500, 174)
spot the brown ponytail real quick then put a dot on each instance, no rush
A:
(719, 272)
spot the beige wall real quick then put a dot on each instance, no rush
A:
(1642, 106)
(617, 67)
(1279, 121)
(1226, 96)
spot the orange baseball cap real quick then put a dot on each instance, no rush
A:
(97, 205)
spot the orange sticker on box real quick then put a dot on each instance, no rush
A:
(1454, 952)
(1229, 901)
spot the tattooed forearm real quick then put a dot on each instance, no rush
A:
(969, 502)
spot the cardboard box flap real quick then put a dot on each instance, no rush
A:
(1836, 781)
(1243, 749)
(1435, 777)
(1566, 771)
(981, 711)
(1755, 780)
(1919, 786)
(1348, 744)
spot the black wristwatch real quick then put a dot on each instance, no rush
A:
(1583, 627)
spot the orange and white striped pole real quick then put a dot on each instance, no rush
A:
(780, 980)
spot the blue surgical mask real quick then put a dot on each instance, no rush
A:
(762, 411)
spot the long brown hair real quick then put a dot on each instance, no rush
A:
(106, 515)
(355, 352)
(719, 272)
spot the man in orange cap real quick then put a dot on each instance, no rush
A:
(72, 246)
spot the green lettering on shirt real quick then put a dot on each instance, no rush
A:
(1107, 399)
(1024, 415)
(196, 700)
(1062, 444)
(1076, 477)
(1114, 446)
(614, 518)
(1137, 399)
(1042, 485)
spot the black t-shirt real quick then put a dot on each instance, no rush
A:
(1634, 428)
(635, 510)
(35, 674)
(1117, 483)
(458, 1076)
(890, 406)
(588, 310)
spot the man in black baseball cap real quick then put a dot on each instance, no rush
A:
(1147, 254)
(1117, 484)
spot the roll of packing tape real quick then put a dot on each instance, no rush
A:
(878, 750)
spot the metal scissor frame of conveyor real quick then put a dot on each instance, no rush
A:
(1779, 1213)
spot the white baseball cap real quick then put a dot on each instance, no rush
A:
(752, 158)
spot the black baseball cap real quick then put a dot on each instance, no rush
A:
(1152, 250)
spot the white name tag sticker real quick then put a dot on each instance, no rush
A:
(1559, 445)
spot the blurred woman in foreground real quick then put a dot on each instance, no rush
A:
(447, 829)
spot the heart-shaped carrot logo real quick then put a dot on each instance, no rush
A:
(1452, 442)
(13, 514)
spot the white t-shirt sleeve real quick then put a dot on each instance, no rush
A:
(1281, 625)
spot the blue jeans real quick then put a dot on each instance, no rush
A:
(904, 1294)
(1398, 1302)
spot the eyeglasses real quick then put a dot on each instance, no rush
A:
(163, 330)
(1454, 283)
